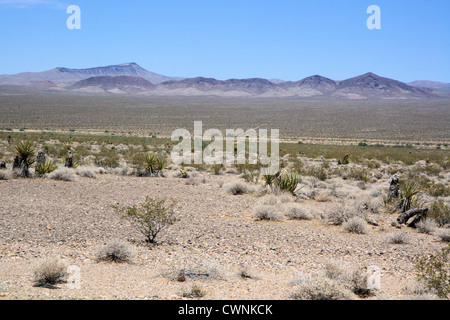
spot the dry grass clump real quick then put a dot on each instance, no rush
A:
(86, 172)
(444, 235)
(50, 272)
(245, 273)
(321, 288)
(63, 174)
(397, 237)
(193, 292)
(299, 212)
(239, 188)
(196, 271)
(427, 226)
(340, 214)
(356, 225)
(116, 251)
(417, 290)
(355, 280)
(6, 175)
(271, 213)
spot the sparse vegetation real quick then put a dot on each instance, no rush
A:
(434, 271)
(193, 292)
(397, 237)
(264, 212)
(150, 217)
(321, 288)
(116, 251)
(50, 272)
(356, 225)
(63, 174)
(239, 188)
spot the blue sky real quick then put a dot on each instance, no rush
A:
(284, 39)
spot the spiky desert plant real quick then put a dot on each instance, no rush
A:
(45, 167)
(288, 180)
(269, 176)
(150, 217)
(408, 194)
(25, 152)
(161, 163)
(151, 162)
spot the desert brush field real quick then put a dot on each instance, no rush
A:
(322, 229)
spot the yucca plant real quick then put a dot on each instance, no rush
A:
(408, 194)
(270, 176)
(151, 161)
(288, 180)
(161, 163)
(45, 167)
(154, 164)
(25, 153)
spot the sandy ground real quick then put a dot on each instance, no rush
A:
(42, 218)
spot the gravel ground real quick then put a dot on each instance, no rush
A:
(42, 218)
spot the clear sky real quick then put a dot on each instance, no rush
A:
(222, 39)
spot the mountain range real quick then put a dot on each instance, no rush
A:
(130, 78)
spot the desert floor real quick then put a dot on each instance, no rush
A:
(217, 231)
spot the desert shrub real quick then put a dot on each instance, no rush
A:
(198, 271)
(356, 225)
(373, 164)
(268, 213)
(183, 174)
(427, 226)
(397, 237)
(444, 235)
(339, 214)
(62, 174)
(288, 181)
(296, 212)
(85, 172)
(193, 292)
(434, 271)
(116, 251)
(355, 280)
(217, 169)
(321, 288)
(5, 175)
(440, 212)
(417, 290)
(245, 273)
(50, 272)
(438, 190)
(251, 176)
(269, 200)
(150, 217)
(239, 188)
(318, 172)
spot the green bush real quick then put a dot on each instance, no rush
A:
(434, 270)
(150, 217)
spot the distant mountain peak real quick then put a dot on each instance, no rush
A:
(62, 75)
(130, 77)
